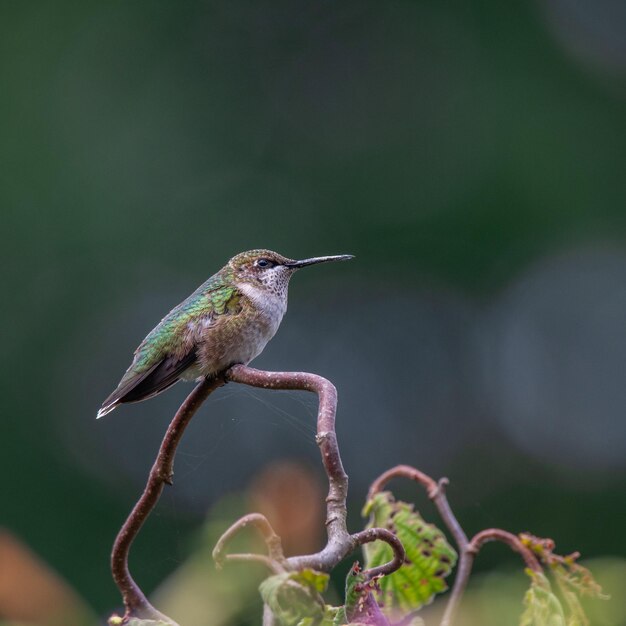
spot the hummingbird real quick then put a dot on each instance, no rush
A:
(228, 320)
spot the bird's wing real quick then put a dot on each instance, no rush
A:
(170, 348)
(151, 382)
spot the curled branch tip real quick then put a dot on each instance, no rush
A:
(403, 471)
(381, 534)
(511, 540)
(275, 559)
(338, 539)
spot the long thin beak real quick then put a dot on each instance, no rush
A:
(318, 259)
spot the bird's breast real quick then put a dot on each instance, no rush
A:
(240, 338)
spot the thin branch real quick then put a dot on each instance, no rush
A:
(261, 523)
(135, 602)
(436, 491)
(381, 534)
(511, 540)
(339, 542)
(403, 471)
(272, 565)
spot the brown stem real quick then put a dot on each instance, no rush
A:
(339, 542)
(435, 490)
(382, 534)
(402, 471)
(135, 602)
(261, 523)
(511, 540)
(247, 557)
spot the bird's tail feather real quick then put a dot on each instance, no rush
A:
(153, 381)
(106, 408)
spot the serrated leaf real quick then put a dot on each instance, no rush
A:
(430, 558)
(568, 573)
(542, 606)
(294, 596)
(573, 580)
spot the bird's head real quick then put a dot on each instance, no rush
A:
(270, 269)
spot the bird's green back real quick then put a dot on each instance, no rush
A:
(217, 296)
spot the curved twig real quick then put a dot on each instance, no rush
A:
(135, 602)
(403, 471)
(274, 566)
(381, 534)
(339, 543)
(272, 541)
(339, 540)
(436, 491)
(511, 540)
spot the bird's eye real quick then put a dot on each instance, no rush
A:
(264, 263)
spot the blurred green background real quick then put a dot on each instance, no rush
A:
(472, 155)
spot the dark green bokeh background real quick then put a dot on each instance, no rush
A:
(455, 148)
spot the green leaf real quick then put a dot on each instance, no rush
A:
(568, 573)
(429, 556)
(572, 579)
(294, 597)
(542, 606)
